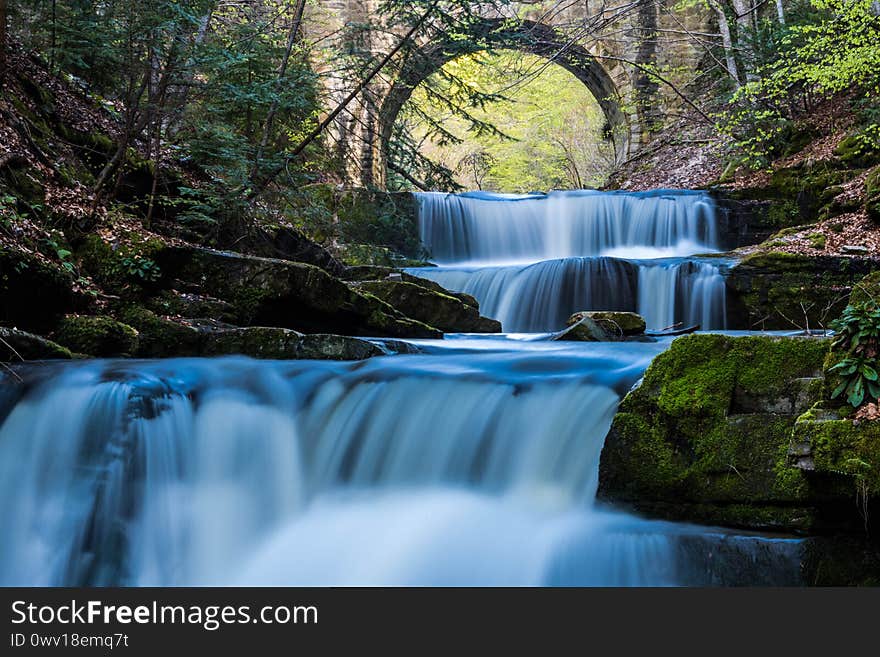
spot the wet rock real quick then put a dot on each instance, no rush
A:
(269, 292)
(278, 343)
(191, 305)
(433, 307)
(367, 273)
(585, 329)
(615, 323)
(18, 345)
(97, 335)
(465, 298)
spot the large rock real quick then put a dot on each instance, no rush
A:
(786, 291)
(269, 292)
(161, 337)
(705, 437)
(166, 337)
(614, 323)
(97, 335)
(464, 297)
(18, 345)
(431, 306)
(277, 343)
(585, 329)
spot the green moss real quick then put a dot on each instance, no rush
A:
(772, 290)
(867, 289)
(124, 266)
(816, 240)
(159, 337)
(858, 150)
(97, 336)
(710, 425)
(16, 345)
(841, 446)
(784, 213)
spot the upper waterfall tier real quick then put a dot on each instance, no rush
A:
(479, 227)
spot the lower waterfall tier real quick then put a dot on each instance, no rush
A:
(541, 296)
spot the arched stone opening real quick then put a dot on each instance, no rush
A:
(526, 36)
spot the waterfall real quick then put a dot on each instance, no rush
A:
(462, 466)
(533, 260)
(492, 228)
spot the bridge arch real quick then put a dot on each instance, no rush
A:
(527, 36)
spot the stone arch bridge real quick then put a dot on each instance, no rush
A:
(616, 47)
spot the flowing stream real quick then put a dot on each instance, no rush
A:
(474, 462)
(533, 260)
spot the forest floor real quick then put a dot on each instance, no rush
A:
(690, 154)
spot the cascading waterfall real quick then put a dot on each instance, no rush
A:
(473, 464)
(533, 260)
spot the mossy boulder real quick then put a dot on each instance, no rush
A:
(284, 242)
(283, 344)
(126, 266)
(97, 336)
(705, 437)
(20, 345)
(34, 293)
(776, 290)
(431, 306)
(165, 337)
(270, 292)
(161, 337)
(464, 297)
(357, 273)
(858, 150)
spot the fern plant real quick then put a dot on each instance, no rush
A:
(859, 337)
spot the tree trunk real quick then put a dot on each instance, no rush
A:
(744, 11)
(726, 41)
(780, 12)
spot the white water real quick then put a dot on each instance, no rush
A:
(475, 463)
(532, 261)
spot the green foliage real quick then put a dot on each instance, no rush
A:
(828, 49)
(137, 266)
(859, 341)
(504, 121)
